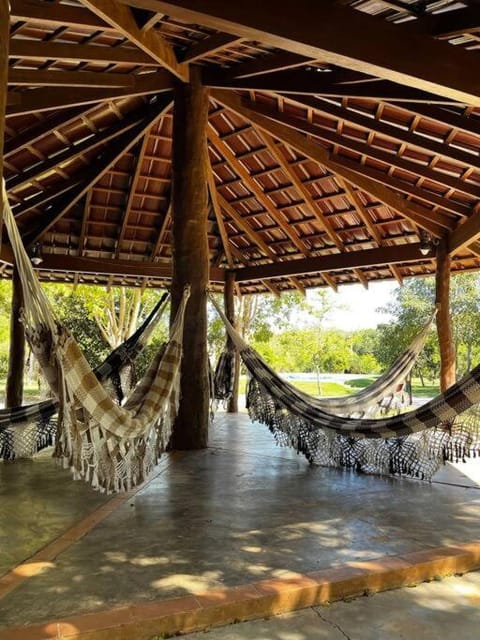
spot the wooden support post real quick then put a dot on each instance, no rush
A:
(16, 356)
(4, 39)
(190, 258)
(229, 303)
(444, 323)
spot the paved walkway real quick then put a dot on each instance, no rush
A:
(446, 610)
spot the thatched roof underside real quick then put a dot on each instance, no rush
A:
(329, 160)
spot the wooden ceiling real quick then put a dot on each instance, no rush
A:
(341, 136)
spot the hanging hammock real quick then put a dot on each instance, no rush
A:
(414, 443)
(26, 430)
(385, 389)
(112, 447)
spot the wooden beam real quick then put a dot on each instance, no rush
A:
(109, 267)
(362, 212)
(271, 63)
(217, 211)
(412, 211)
(56, 15)
(97, 171)
(47, 99)
(398, 254)
(339, 35)
(41, 167)
(54, 78)
(151, 42)
(465, 234)
(51, 50)
(396, 274)
(313, 82)
(191, 258)
(256, 190)
(208, 46)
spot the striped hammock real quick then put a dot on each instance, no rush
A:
(113, 447)
(28, 429)
(414, 443)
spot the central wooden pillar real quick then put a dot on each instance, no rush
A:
(190, 257)
(16, 356)
(444, 322)
(229, 304)
(4, 39)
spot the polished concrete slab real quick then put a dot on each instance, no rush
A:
(240, 511)
(448, 609)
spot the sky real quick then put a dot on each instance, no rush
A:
(356, 307)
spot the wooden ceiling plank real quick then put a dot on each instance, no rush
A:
(256, 190)
(56, 15)
(70, 153)
(208, 46)
(339, 35)
(97, 171)
(334, 262)
(50, 50)
(362, 212)
(49, 78)
(151, 42)
(47, 99)
(131, 194)
(301, 188)
(412, 211)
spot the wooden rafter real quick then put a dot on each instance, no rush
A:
(334, 262)
(97, 171)
(27, 176)
(131, 195)
(339, 35)
(465, 235)
(412, 211)
(47, 99)
(40, 78)
(362, 212)
(122, 19)
(208, 46)
(56, 15)
(45, 50)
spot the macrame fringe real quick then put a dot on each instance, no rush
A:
(417, 455)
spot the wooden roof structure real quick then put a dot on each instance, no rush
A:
(343, 137)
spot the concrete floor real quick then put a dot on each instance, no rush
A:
(240, 511)
(448, 610)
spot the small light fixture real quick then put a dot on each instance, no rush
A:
(36, 254)
(426, 244)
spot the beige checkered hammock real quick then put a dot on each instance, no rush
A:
(415, 443)
(113, 447)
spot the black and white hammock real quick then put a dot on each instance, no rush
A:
(415, 443)
(27, 429)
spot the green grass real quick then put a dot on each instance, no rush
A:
(31, 393)
(311, 387)
(427, 391)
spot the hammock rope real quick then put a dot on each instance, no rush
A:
(26, 430)
(112, 447)
(414, 443)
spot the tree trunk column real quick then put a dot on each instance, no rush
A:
(229, 304)
(16, 356)
(444, 324)
(190, 258)
(4, 39)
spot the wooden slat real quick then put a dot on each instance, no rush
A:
(339, 35)
(54, 78)
(45, 50)
(47, 99)
(412, 211)
(335, 262)
(151, 42)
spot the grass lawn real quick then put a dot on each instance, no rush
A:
(31, 393)
(311, 387)
(427, 391)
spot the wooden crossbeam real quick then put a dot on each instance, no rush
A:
(339, 35)
(313, 82)
(46, 50)
(47, 99)
(465, 235)
(336, 262)
(70, 153)
(151, 42)
(97, 171)
(105, 266)
(412, 211)
(208, 46)
(54, 78)
(57, 15)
